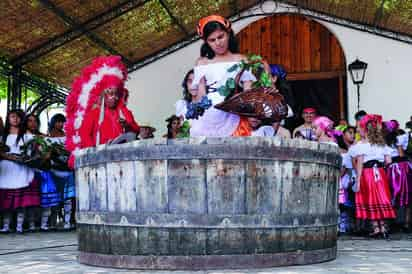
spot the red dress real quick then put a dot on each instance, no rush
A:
(109, 129)
(373, 201)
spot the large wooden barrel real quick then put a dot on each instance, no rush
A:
(207, 203)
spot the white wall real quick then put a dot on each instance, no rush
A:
(156, 87)
(387, 88)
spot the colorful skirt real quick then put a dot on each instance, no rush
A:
(400, 181)
(65, 184)
(373, 199)
(11, 199)
(49, 195)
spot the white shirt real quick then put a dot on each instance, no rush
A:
(346, 160)
(370, 152)
(12, 174)
(402, 140)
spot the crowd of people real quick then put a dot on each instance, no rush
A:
(35, 194)
(376, 175)
(376, 180)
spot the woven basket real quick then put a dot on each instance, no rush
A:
(261, 103)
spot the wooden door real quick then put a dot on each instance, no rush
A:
(306, 49)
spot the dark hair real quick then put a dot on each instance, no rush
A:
(169, 125)
(348, 128)
(7, 127)
(1, 126)
(390, 136)
(282, 84)
(409, 125)
(278, 71)
(26, 121)
(206, 50)
(341, 141)
(360, 114)
(56, 118)
(186, 94)
(286, 90)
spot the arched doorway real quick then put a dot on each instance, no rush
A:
(311, 55)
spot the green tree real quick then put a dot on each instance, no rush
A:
(3, 87)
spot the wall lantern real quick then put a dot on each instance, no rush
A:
(357, 71)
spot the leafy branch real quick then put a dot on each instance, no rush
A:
(254, 64)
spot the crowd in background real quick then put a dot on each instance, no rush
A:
(375, 192)
(37, 189)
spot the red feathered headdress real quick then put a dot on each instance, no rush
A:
(104, 72)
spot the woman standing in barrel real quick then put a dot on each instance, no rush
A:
(219, 53)
(372, 196)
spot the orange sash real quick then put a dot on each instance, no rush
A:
(243, 129)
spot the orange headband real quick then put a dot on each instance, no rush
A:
(211, 18)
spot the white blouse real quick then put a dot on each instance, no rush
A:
(370, 152)
(346, 161)
(402, 140)
(12, 174)
(216, 74)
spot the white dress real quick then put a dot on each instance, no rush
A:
(214, 122)
(12, 174)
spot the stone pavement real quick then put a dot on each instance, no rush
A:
(56, 253)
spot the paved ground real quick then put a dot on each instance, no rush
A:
(56, 253)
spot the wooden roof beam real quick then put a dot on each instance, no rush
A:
(77, 31)
(73, 24)
(379, 13)
(234, 6)
(174, 19)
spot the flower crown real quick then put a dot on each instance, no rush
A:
(374, 119)
(391, 125)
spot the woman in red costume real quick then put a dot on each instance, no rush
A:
(373, 198)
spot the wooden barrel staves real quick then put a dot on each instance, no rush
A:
(207, 203)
